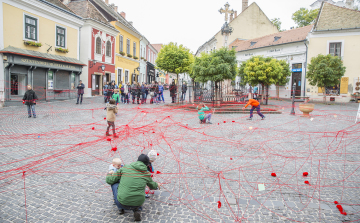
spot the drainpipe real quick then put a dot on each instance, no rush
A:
(305, 67)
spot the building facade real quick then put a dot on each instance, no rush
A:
(143, 62)
(151, 55)
(98, 44)
(39, 46)
(337, 32)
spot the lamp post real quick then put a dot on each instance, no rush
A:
(293, 100)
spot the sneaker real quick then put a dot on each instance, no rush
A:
(107, 134)
(249, 119)
(263, 118)
(122, 211)
(137, 215)
(147, 196)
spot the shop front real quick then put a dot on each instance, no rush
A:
(150, 72)
(99, 75)
(51, 77)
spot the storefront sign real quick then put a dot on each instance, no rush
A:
(297, 70)
(344, 85)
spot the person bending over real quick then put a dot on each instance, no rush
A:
(201, 112)
(254, 105)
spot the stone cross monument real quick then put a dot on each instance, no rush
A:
(227, 11)
(226, 30)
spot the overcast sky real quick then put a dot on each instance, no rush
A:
(193, 22)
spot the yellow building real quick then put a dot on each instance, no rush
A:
(127, 53)
(39, 44)
(337, 32)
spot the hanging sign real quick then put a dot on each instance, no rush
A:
(357, 115)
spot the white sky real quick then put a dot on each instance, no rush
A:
(193, 22)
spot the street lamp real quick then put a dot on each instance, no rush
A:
(102, 67)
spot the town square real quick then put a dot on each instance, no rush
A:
(254, 118)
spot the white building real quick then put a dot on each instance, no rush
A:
(143, 43)
(289, 45)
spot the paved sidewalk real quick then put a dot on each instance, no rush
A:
(60, 164)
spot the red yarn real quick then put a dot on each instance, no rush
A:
(273, 174)
(233, 121)
(224, 121)
(335, 202)
(219, 204)
(92, 128)
(104, 118)
(108, 139)
(305, 174)
(114, 149)
(158, 172)
(306, 182)
(218, 124)
(158, 154)
(340, 207)
(344, 213)
(230, 158)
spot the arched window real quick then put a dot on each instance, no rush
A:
(98, 45)
(108, 49)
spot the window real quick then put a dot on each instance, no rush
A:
(60, 37)
(253, 43)
(121, 43)
(98, 45)
(128, 46)
(335, 49)
(31, 28)
(126, 76)
(119, 76)
(134, 54)
(276, 38)
(148, 56)
(108, 49)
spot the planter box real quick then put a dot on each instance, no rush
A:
(32, 43)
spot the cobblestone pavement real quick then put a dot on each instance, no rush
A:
(53, 167)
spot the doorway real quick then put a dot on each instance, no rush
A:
(296, 79)
(18, 84)
(95, 85)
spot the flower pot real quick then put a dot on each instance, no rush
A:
(306, 109)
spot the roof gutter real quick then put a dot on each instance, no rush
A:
(335, 29)
(61, 9)
(300, 41)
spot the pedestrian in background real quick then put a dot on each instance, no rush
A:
(161, 92)
(183, 89)
(80, 92)
(30, 101)
(173, 89)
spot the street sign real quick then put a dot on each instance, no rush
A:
(357, 115)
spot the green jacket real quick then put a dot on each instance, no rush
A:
(201, 112)
(133, 179)
(116, 97)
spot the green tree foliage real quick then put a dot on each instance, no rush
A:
(277, 23)
(325, 71)
(304, 17)
(174, 59)
(265, 71)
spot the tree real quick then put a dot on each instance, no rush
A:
(277, 23)
(304, 17)
(174, 59)
(284, 79)
(216, 66)
(262, 70)
(325, 71)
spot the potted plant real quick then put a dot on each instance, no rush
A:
(142, 58)
(32, 43)
(135, 57)
(129, 55)
(306, 108)
(145, 60)
(122, 53)
(62, 50)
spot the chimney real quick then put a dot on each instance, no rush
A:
(231, 17)
(235, 14)
(245, 4)
(123, 14)
(107, 2)
(115, 8)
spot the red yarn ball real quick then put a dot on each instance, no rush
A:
(273, 174)
(335, 202)
(108, 139)
(92, 128)
(158, 172)
(219, 204)
(305, 174)
(114, 149)
(104, 118)
(233, 121)
(158, 154)
(306, 182)
(224, 121)
(230, 158)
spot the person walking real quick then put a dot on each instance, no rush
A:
(138, 93)
(255, 105)
(142, 90)
(183, 90)
(173, 89)
(146, 91)
(105, 90)
(111, 89)
(161, 92)
(29, 99)
(80, 92)
(122, 92)
(133, 91)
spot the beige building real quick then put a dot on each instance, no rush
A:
(337, 32)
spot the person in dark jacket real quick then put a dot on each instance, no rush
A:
(111, 89)
(129, 192)
(183, 89)
(80, 88)
(29, 100)
(134, 91)
(173, 89)
(138, 92)
(143, 90)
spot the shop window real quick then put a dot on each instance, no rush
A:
(60, 37)
(108, 49)
(98, 45)
(31, 25)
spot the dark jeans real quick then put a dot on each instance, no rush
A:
(122, 98)
(161, 96)
(183, 96)
(257, 110)
(79, 96)
(109, 125)
(31, 108)
(127, 98)
(114, 188)
(173, 98)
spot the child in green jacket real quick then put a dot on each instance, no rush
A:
(201, 108)
(116, 96)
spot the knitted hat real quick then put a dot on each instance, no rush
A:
(152, 155)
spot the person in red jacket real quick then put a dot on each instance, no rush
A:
(255, 105)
